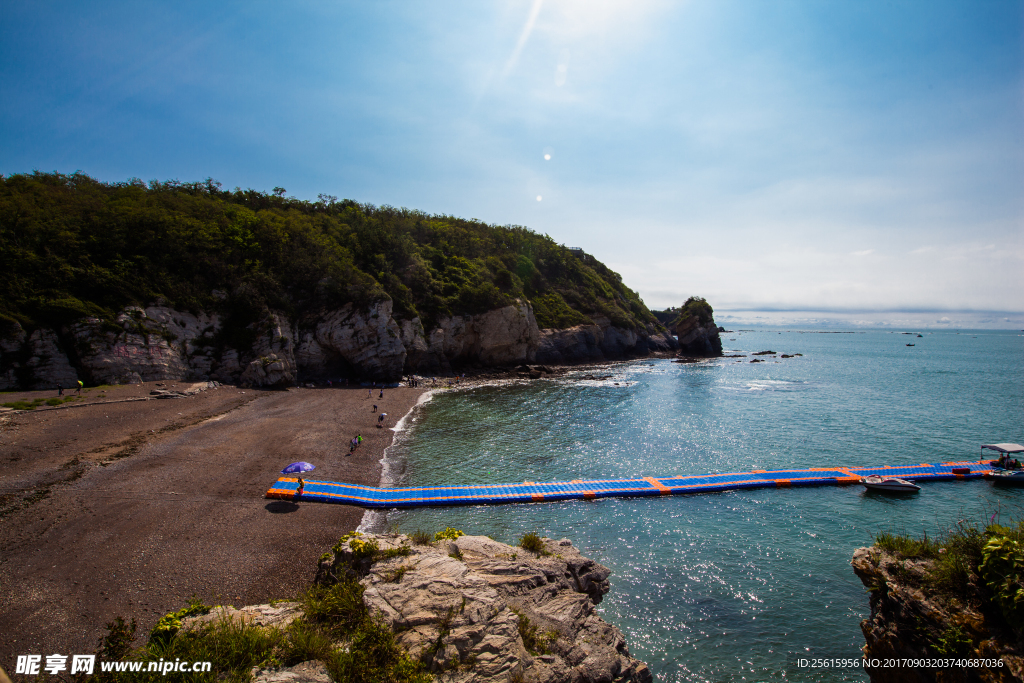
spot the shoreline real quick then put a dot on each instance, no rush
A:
(375, 520)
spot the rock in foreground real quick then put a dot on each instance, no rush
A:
(909, 621)
(477, 610)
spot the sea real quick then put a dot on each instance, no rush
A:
(741, 585)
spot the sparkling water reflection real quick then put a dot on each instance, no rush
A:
(732, 586)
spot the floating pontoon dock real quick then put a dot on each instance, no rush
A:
(533, 492)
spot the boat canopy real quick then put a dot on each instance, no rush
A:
(1005, 447)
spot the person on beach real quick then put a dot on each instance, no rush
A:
(302, 485)
(359, 439)
(80, 385)
(381, 393)
(380, 419)
(369, 393)
(60, 390)
(374, 408)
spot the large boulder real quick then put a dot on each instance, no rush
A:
(482, 611)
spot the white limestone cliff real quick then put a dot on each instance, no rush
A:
(161, 343)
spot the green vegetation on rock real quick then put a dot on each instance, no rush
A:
(694, 307)
(532, 542)
(74, 247)
(335, 628)
(970, 565)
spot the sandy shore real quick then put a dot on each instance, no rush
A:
(129, 508)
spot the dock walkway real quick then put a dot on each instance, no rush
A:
(580, 489)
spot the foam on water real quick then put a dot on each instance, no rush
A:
(392, 468)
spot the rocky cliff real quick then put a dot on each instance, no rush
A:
(475, 610)
(910, 621)
(698, 338)
(160, 343)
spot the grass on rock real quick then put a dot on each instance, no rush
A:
(970, 564)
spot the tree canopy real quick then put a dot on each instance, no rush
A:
(694, 307)
(72, 246)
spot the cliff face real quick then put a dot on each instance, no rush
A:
(476, 610)
(697, 338)
(907, 622)
(160, 343)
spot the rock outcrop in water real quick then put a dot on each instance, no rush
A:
(694, 327)
(160, 343)
(909, 622)
(697, 339)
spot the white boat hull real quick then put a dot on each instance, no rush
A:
(889, 485)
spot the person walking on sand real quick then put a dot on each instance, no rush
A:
(381, 393)
(369, 392)
(80, 385)
(60, 390)
(359, 439)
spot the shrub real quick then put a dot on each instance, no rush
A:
(170, 623)
(953, 642)
(1002, 569)
(963, 554)
(118, 641)
(340, 606)
(535, 643)
(901, 543)
(420, 537)
(532, 542)
(697, 306)
(448, 534)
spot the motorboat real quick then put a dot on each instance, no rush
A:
(1005, 450)
(889, 484)
(1006, 477)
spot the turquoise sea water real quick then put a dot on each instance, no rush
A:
(732, 586)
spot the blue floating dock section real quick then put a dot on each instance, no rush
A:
(285, 488)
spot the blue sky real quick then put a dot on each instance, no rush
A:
(864, 159)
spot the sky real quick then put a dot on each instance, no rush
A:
(792, 161)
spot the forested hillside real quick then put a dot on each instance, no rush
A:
(71, 247)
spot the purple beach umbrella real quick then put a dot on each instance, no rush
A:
(298, 468)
